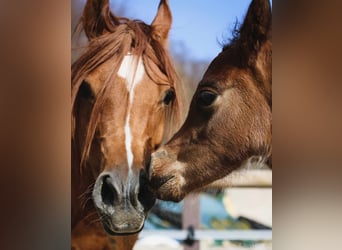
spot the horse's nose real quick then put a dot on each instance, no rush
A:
(116, 199)
(110, 192)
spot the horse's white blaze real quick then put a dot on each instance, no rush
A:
(128, 143)
(132, 74)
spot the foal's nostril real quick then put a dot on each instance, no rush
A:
(160, 154)
(108, 191)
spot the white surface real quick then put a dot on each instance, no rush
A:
(157, 242)
(254, 203)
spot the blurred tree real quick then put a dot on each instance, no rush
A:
(189, 69)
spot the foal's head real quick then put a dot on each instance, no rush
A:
(124, 102)
(229, 122)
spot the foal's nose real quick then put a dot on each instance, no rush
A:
(159, 160)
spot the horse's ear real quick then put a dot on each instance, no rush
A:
(257, 26)
(161, 24)
(97, 18)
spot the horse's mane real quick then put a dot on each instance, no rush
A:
(127, 36)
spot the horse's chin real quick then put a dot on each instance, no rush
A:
(120, 230)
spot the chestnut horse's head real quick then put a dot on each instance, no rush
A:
(229, 122)
(125, 101)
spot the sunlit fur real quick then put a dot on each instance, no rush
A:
(102, 106)
(217, 139)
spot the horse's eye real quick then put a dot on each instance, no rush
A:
(85, 91)
(206, 98)
(169, 97)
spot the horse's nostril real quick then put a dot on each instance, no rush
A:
(147, 167)
(145, 196)
(108, 191)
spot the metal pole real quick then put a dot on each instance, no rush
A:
(191, 217)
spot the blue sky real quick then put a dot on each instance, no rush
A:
(199, 24)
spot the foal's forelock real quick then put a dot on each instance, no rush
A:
(131, 50)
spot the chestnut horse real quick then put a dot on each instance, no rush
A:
(125, 103)
(229, 122)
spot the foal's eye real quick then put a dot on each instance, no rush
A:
(169, 97)
(206, 98)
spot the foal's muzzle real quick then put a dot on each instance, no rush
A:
(166, 175)
(122, 204)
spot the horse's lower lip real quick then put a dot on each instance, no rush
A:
(110, 231)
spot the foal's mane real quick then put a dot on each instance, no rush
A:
(123, 36)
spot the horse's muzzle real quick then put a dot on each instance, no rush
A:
(122, 206)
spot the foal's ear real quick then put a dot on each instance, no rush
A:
(97, 18)
(161, 24)
(257, 26)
